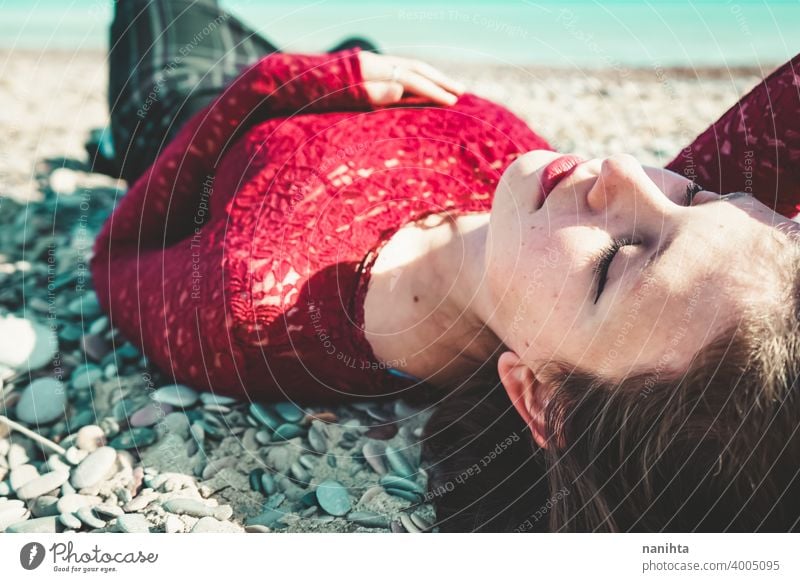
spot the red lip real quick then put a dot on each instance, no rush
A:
(557, 170)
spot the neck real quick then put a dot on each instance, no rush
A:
(464, 307)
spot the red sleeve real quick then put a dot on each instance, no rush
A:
(755, 146)
(163, 290)
(160, 207)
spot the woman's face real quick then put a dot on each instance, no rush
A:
(678, 277)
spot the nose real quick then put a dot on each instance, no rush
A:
(623, 185)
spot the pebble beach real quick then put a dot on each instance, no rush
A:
(95, 439)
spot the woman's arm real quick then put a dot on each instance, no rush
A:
(755, 146)
(161, 206)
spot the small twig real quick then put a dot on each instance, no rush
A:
(32, 435)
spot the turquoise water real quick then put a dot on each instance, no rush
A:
(566, 33)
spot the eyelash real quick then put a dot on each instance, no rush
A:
(604, 262)
(608, 254)
(691, 190)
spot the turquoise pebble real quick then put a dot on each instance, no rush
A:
(407, 495)
(216, 399)
(309, 499)
(135, 438)
(289, 412)
(128, 352)
(264, 416)
(398, 463)
(176, 395)
(288, 431)
(99, 325)
(85, 375)
(255, 479)
(395, 482)
(268, 484)
(333, 497)
(368, 519)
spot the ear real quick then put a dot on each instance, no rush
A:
(527, 393)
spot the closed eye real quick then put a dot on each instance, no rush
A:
(691, 190)
(603, 263)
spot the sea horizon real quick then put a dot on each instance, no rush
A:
(620, 33)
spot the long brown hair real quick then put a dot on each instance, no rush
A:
(716, 448)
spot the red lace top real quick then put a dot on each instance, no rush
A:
(240, 260)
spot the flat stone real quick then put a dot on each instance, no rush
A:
(368, 519)
(399, 463)
(374, 454)
(25, 344)
(94, 468)
(196, 508)
(107, 511)
(42, 484)
(149, 414)
(21, 475)
(12, 514)
(264, 416)
(288, 431)
(211, 525)
(333, 497)
(38, 525)
(44, 505)
(70, 521)
(17, 455)
(176, 395)
(42, 402)
(86, 515)
(210, 398)
(74, 501)
(95, 346)
(133, 523)
(85, 376)
(135, 438)
(289, 412)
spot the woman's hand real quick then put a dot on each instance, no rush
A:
(386, 78)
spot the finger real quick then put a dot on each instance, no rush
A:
(383, 92)
(438, 77)
(419, 85)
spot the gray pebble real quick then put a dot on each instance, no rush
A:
(86, 516)
(70, 521)
(43, 484)
(17, 455)
(196, 508)
(10, 514)
(94, 468)
(368, 519)
(107, 511)
(22, 474)
(38, 525)
(74, 501)
(212, 525)
(133, 523)
(44, 505)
